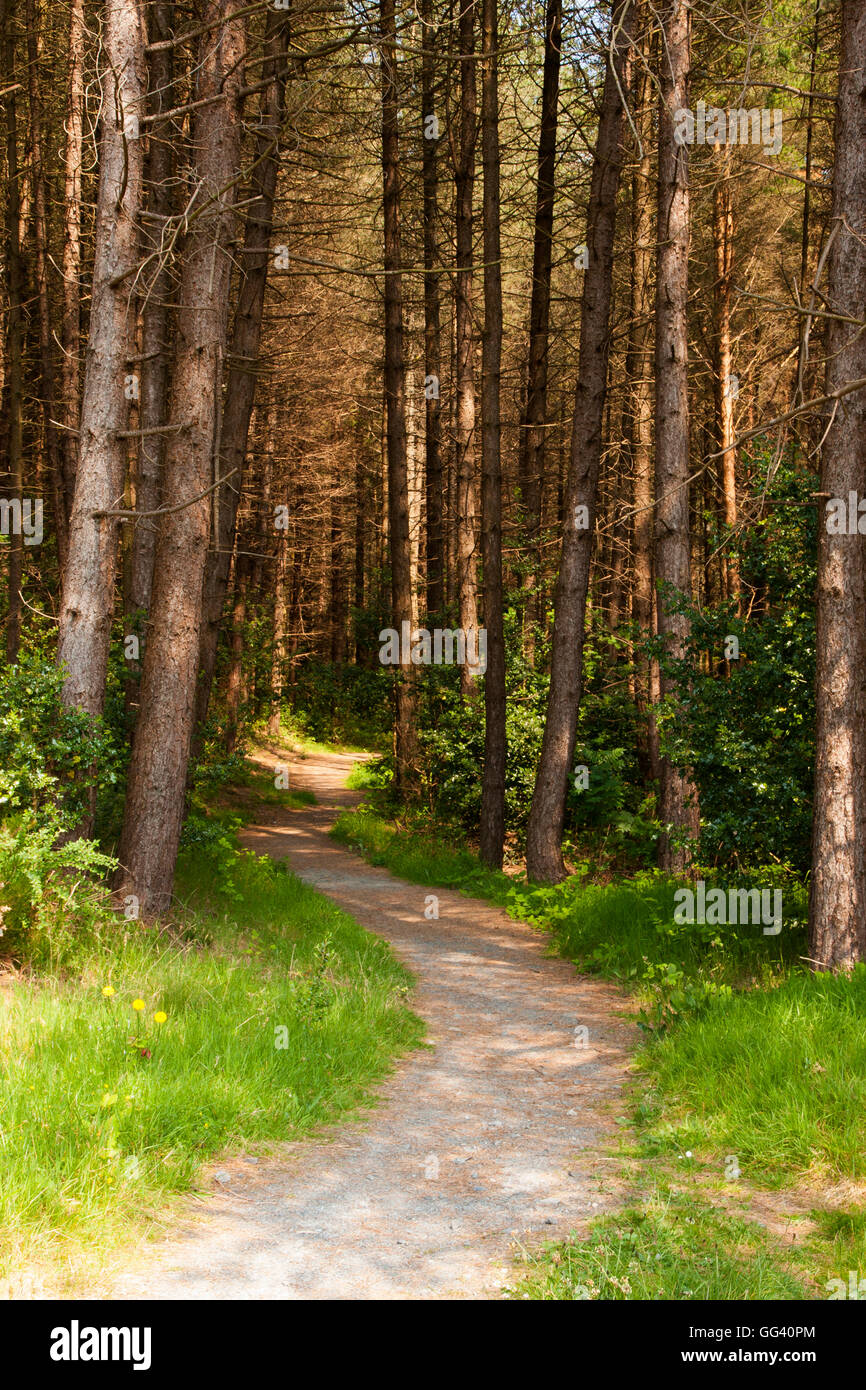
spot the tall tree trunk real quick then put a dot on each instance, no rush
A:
(533, 422)
(88, 589)
(395, 404)
(544, 831)
(678, 797)
(466, 493)
(155, 316)
(838, 893)
(235, 678)
(245, 345)
(157, 775)
(70, 329)
(14, 347)
(800, 392)
(278, 654)
(361, 648)
(640, 375)
(723, 239)
(432, 332)
(414, 466)
(53, 456)
(337, 604)
(492, 835)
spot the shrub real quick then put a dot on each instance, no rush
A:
(51, 903)
(50, 755)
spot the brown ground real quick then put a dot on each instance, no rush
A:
(489, 1140)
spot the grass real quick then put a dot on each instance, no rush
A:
(670, 1249)
(281, 1015)
(262, 785)
(746, 1054)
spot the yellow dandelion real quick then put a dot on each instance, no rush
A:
(138, 1005)
(108, 991)
(160, 1017)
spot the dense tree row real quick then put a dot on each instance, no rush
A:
(324, 319)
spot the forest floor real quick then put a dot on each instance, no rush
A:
(489, 1141)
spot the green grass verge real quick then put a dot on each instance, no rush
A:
(281, 1015)
(671, 1248)
(746, 1054)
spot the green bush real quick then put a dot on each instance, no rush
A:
(51, 756)
(52, 905)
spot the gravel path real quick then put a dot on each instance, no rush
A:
(488, 1141)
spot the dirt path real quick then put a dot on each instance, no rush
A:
(490, 1139)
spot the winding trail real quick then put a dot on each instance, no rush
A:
(489, 1140)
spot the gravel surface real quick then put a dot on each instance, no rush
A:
(490, 1140)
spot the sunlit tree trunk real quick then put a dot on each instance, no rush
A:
(492, 830)
(678, 797)
(838, 892)
(534, 417)
(434, 479)
(395, 405)
(109, 385)
(723, 240)
(466, 491)
(157, 774)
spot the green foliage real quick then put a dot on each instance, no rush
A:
(343, 704)
(52, 906)
(50, 755)
(749, 738)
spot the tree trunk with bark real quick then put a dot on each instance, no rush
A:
(463, 150)
(41, 252)
(245, 345)
(678, 807)
(492, 830)
(156, 316)
(434, 480)
(109, 385)
(278, 654)
(639, 372)
(70, 329)
(838, 892)
(157, 774)
(14, 346)
(395, 407)
(544, 861)
(723, 240)
(533, 422)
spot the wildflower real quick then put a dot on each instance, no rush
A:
(107, 991)
(160, 1017)
(138, 1005)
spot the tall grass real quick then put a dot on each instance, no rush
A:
(280, 1015)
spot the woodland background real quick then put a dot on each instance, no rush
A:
(320, 319)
